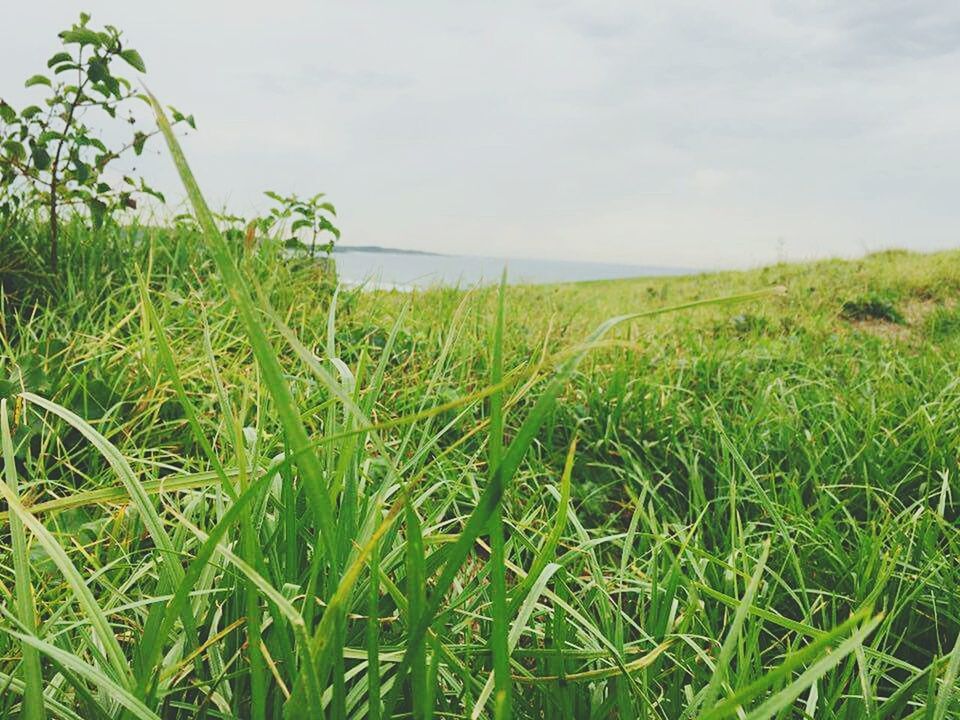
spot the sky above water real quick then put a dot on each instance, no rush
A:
(693, 134)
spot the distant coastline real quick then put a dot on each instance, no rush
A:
(381, 267)
(379, 249)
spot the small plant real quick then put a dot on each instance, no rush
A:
(308, 219)
(51, 159)
(872, 306)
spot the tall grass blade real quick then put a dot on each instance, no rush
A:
(416, 600)
(273, 376)
(725, 657)
(179, 603)
(23, 589)
(516, 630)
(499, 641)
(949, 687)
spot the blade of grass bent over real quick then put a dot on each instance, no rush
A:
(93, 611)
(786, 697)
(170, 566)
(729, 706)
(113, 690)
(119, 494)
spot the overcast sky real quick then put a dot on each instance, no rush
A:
(695, 134)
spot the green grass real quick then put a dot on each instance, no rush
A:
(230, 492)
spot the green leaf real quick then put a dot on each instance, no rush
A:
(499, 640)
(139, 139)
(133, 59)
(81, 36)
(7, 113)
(30, 112)
(948, 690)
(180, 603)
(729, 647)
(815, 652)
(37, 80)
(416, 600)
(516, 631)
(14, 149)
(285, 607)
(81, 172)
(60, 57)
(41, 158)
(549, 547)
(144, 188)
(98, 211)
(782, 700)
(179, 117)
(97, 70)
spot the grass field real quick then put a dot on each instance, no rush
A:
(230, 492)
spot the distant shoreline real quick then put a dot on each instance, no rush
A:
(645, 270)
(379, 249)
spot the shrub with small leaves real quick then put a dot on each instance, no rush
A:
(302, 222)
(872, 306)
(51, 158)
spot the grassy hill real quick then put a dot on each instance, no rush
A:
(745, 505)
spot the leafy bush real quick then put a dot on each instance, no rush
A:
(296, 218)
(51, 158)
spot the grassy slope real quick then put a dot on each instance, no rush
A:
(701, 436)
